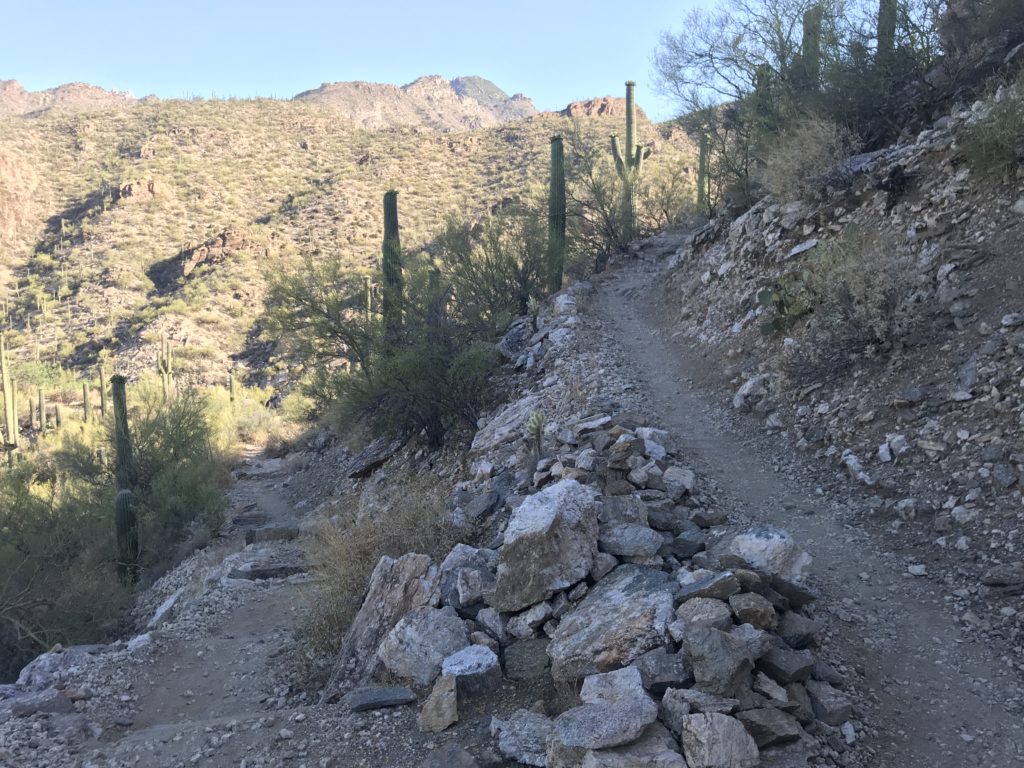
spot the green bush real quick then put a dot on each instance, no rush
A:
(996, 141)
(493, 267)
(429, 386)
(58, 580)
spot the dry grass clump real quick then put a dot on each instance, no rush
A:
(414, 517)
(995, 142)
(796, 160)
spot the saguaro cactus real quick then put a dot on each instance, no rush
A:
(556, 216)
(165, 366)
(42, 408)
(391, 265)
(126, 527)
(124, 466)
(629, 164)
(10, 414)
(888, 15)
(86, 402)
(367, 296)
(103, 390)
(811, 47)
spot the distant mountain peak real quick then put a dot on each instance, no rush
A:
(72, 97)
(430, 101)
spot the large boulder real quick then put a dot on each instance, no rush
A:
(625, 615)
(420, 642)
(770, 550)
(550, 544)
(717, 741)
(397, 586)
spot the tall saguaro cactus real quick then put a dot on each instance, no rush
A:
(629, 164)
(811, 47)
(165, 366)
(103, 390)
(10, 414)
(391, 266)
(124, 459)
(888, 16)
(556, 216)
(126, 527)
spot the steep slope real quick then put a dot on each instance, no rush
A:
(877, 328)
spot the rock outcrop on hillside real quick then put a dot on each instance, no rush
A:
(430, 102)
(71, 97)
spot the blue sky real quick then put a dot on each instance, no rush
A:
(554, 52)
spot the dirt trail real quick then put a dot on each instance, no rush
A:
(935, 696)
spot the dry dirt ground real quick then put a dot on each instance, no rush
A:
(931, 695)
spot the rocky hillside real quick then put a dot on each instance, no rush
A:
(430, 102)
(71, 97)
(878, 328)
(122, 224)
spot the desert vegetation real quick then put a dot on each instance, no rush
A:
(777, 92)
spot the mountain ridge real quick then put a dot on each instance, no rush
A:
(431, 101)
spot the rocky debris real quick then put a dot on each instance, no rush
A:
(449, 756)
(616, 710)
(275, 532)
(527, 660)
(373, 456)
(216, 250)
(49, 701)
(397, 586)
(420, 642)
(717, 741)
(58, 666)
(507, 425)
(654, 749)
(523, 737)
(550, 543)
(770, 726)
(441, 709)
(625, 615)
(475, 669)
(366, 699)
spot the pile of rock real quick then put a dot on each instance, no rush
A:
(688, 638)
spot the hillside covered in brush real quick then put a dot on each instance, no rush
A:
(122, 220)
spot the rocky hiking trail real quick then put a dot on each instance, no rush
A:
(605, 580)
(932, 696)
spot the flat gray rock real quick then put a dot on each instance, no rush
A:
(654, 749)
(625, 615)
(365, 699)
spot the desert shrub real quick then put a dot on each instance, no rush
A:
(795, 161)
(494, 266)
(347, 548)
(856, 290)
(996, 140)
